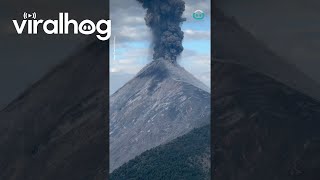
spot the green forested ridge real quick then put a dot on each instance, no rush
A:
(185, 158)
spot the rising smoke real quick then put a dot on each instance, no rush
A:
(164, 18)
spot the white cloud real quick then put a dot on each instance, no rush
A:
(129, 33)
(196, 34)
(134, 20)
(129, 62)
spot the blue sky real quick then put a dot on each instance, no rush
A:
(133, 48)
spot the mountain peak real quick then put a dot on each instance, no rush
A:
(162, 69)
(162, 102)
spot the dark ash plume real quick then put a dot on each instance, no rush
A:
(164, 17)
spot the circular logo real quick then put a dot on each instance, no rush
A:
(198, 15)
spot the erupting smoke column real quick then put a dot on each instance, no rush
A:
(164, 17)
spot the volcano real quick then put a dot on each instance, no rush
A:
(56, 129)
(266, 113)
(162, 102)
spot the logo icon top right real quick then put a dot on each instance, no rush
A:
(198, 15)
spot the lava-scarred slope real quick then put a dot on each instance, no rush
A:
(161, 103)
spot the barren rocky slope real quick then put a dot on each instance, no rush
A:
(160, 104)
